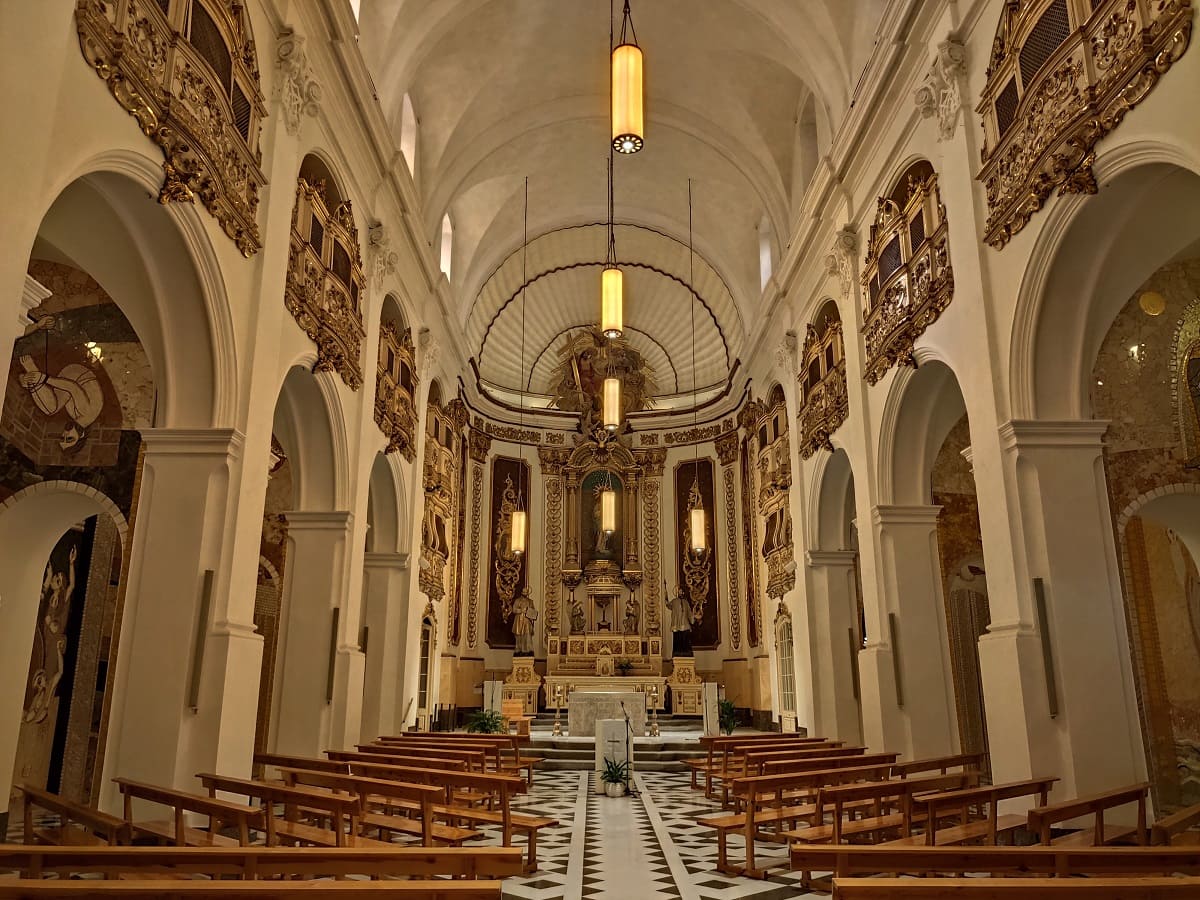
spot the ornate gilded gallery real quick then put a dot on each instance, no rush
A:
(839, 360)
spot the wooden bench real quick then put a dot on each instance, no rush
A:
(498, 787)
(939, 764)
(958, 805)
(258, 862)
(1175, 828)
(424, 890)
(475, 756)
(498, 743)
(753, 761)
(776, 800)
(849, 860)
(220, 814)
(734, 760)
(1143, 888)
(78, 825)
(513, 711)
(468, 761)
(419, 799)
(342, 811)
(1043, 818)
(718, 749)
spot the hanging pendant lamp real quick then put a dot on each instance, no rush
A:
(697, 526)
(611, 403)
(519, 522)
(608, 506)
(628, 113)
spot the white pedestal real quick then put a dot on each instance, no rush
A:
(586, 708)
(712, 719)
(610, 744)
(493, 693)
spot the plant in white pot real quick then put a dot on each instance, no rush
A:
(614, 775)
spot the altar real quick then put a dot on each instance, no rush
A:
(585, 708)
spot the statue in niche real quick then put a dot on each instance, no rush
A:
(57, 590)
(683, 617)
(523, 616)
(631, 616)
(578, 616)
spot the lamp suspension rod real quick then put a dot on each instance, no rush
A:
(612, 240)
(692, 308)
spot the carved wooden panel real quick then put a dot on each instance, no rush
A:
(187, 71)
(441, 480)
(697, 572)
(395, 387)
(1062, 75)
(824, 403)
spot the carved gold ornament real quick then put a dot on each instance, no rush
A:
(697, 564)
(735, 600)
(907, 272)
(507, 564)
(395, 389)
(325, 281)
(1061, 77)
(189, 76)
(824, 402)
(473, 582)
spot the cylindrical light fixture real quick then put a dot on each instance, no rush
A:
(696, 527)
(612, 301)
(611, 404)
(518, 527)
(608, 510)
(628, 114)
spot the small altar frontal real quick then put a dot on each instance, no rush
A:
(585, 708)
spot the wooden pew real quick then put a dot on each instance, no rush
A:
(1043, 818)
(222, 890)
(717, 751)
(342, 810)
(816, 763)
(501, 743)
(775, 800)
(851, 860)
(1175, 828)
(420, 798)
(258, 862)
(466, 762)
(475, 756)
(733, 759)
(77, 825)
(755, 759)
(1142, 888)
(957, 804)
(501, 787)
(220, 813)
(939, 764)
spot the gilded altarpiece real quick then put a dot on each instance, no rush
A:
(907, 272)
(697, 572)
(1062, 75)
(187, 71)
(395, 390)
(508, 571)
(325, 281)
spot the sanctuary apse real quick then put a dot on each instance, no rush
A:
(303, 308)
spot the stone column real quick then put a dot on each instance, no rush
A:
(186, 497)
(630, 514)
(1063, 533)
(386, 618)
(312, 710)
(833, 609)
(917, 716)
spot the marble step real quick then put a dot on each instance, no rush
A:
(565, 754)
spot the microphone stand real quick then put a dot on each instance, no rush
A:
(628, 752)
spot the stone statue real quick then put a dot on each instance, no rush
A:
(683, 616)
(578, 617)
(631, 616)
(523, 616)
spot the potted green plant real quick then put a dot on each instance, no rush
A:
(485, 721)
(614, 775)
(624, 666)
(727, 716)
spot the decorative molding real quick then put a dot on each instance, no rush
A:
(700, 434)
(325, 281)
(552, 565)
(396, 386)
(299, 91)
(907, 273)
(839, 262)
(941, 94)
(785, 354)
(382, 259)
(208, 131)
(836, 558)
(479, 445)
(735, 599)
(824, 399)
(653, 578)
(430, 349)
(727, 447)
(1027, 434)
(1044, 112)
(476, 528)
(33, 295)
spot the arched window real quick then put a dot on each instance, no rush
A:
(190, 66)
(765, 264)
(408, 135)
(824, 403)
(1062, 74)
(447, 245)
(785, 656)
(907, 271)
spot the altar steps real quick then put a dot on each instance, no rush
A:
(579, 755)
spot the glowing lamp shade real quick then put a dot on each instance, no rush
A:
(696, 527)
(611, 411)
(628, 115)
(608, 510)
(612, 301)
(518, 531)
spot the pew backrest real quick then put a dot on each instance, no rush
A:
(102, 826)
(1174, 829)
(1042, 818)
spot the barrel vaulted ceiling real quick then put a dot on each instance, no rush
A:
(508, 89)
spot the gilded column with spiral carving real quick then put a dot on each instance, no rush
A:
(727, 452)
(478, 445)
